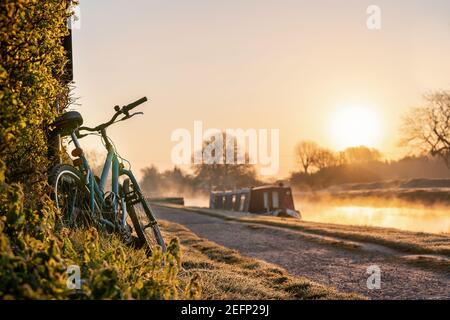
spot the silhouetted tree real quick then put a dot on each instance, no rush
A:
(427, 128)
(151, 180)
(325, 158)
(305, 154)
(224, 175)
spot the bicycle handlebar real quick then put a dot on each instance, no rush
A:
(134, 104)
(124, 110)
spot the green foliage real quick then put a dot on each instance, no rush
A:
(32, 63)
(33, 255)
(31, 66)
(111, 270)
(31, 265)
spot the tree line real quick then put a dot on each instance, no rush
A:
(425, 131)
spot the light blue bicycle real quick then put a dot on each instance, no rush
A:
(81, 196)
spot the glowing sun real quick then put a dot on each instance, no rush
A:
(355, 126)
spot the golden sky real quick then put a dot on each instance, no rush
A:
(304, 67)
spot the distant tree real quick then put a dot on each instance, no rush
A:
(305, 154)
(325, 158)
(427, 128)
(224, 175)
(361, 154)
(175, 176)
(176, 182)
(341, 158)
(173, 182)
(151, 180)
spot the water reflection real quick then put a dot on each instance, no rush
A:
(410, 217)
(433, 220)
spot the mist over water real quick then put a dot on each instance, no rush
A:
(411, 218)
(196, 201)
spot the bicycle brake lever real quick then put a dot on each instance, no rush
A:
(131, 115)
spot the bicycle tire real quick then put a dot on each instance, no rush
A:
(135, 212)
(71, 196)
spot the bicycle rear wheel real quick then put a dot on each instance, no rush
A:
(142, 218)
(71, 196)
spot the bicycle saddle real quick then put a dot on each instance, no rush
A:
(67, 122)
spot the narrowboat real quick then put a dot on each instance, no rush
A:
(273, 200)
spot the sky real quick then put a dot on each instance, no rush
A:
(299, 66)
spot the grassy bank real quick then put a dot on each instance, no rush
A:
(193, 268)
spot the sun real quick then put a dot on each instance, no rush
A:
(353, 126)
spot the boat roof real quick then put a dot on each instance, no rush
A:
(271, 186)
(242, 190)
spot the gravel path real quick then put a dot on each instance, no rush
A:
(329, 265)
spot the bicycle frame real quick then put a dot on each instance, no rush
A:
(98, 189)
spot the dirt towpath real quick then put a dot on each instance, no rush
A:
(337, 265)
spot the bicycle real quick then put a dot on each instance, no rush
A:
(80, 195)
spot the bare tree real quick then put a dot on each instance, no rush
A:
(223, 175)
(305, 153)
(427, 128)
(325, 158)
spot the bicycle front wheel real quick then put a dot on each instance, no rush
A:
(144, 223)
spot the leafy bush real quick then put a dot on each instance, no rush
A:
(32, 63)
(31, 66)
(33, 256)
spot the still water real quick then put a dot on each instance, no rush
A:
(412, 218)
(423, 219)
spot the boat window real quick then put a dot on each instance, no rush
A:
(242, 202)
(275, 202)
(266, 200)
(223, 202)
(228, 202)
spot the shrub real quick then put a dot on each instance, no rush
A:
(33, 256)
